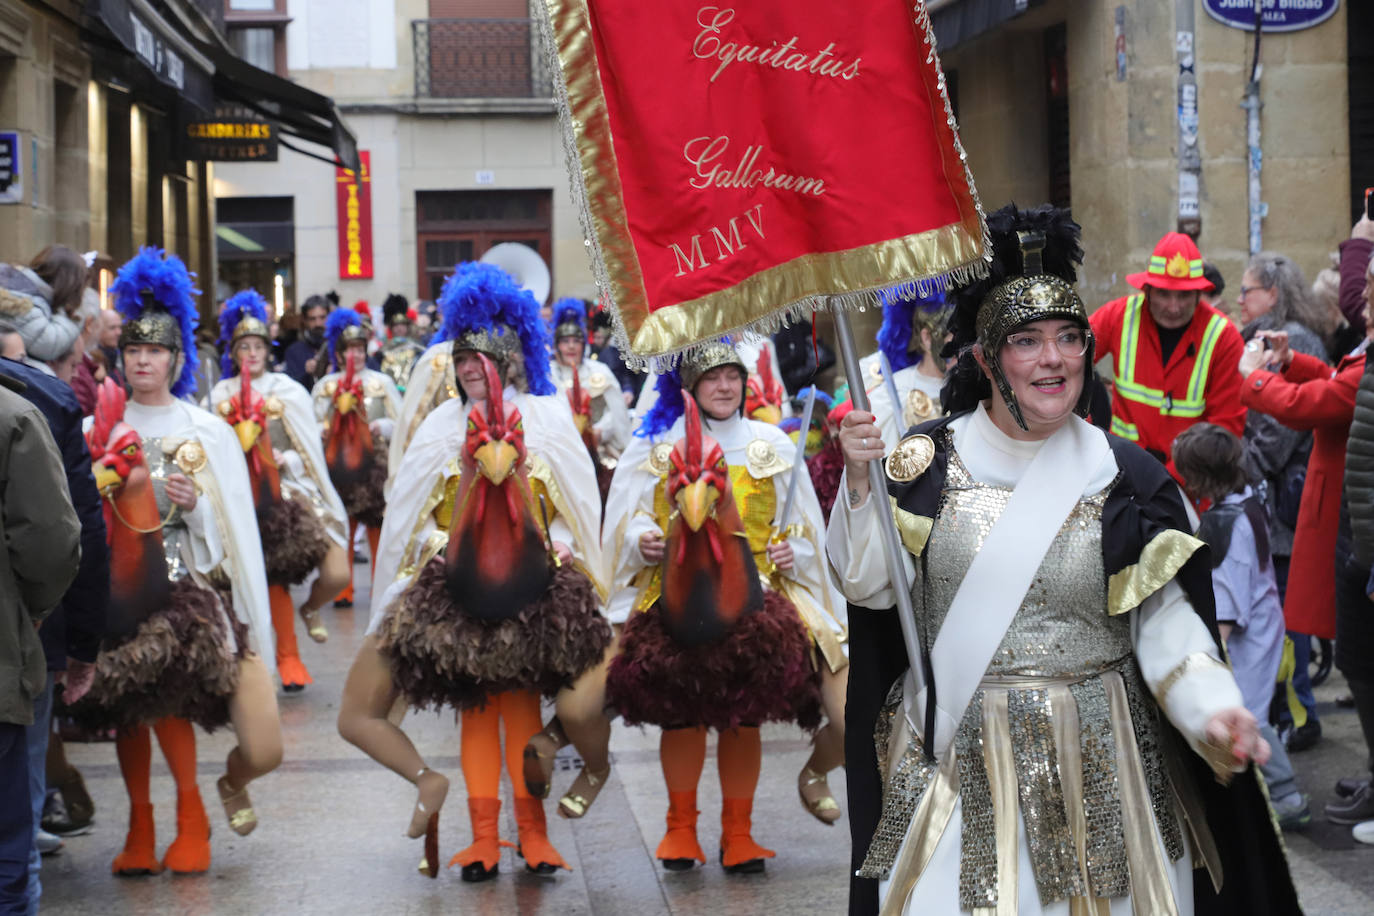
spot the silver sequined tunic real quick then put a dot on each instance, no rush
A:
(160, 467)
(1063, 633)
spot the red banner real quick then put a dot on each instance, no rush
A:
(740, 160)
(354, 195)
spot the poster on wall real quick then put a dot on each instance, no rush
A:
(11, 169)
(1278, 15)
(354, 196)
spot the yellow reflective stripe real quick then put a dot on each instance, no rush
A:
(1195, 268)
(1157, 261)
(1130, 335)
(1125, 430)
(1197, 385)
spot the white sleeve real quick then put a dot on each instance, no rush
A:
(1181, 664)
(853, 544)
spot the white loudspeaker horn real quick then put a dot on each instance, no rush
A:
(524, 265)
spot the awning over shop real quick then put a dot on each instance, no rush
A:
(959, 21)
(299, 112)
(165, 52)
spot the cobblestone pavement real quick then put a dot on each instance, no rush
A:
(330, 838)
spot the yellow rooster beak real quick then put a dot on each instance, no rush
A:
(767, 414)
(580, 422)
(496, 461)
(248, 432)
(697, 502)
(345, 402)
(107, 479)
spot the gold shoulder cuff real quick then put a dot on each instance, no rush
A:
(373, 388)
(1159, 562)
(597, 384)
(763, 459)
(331, 386)
(914, 529)
(273, 407)
(658, 462)
(223, 408)
(910, 458)
(918, 408)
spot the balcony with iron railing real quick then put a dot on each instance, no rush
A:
(479, 59)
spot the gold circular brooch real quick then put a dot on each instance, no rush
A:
(910, 458)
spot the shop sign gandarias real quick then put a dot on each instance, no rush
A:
(354, 191)
(232, 136)
(1278, 15)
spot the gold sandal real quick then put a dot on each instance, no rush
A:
(314, 625)
(426, 812)
(237, 807)
(584, 790)
(816, 796)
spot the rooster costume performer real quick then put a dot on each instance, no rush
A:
(728, 623)
(280, 429)
(486, 590)
(188, 607)
(358, 408)
(591, 388)
(1070, 740)
(399, 353)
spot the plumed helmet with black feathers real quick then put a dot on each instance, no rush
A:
(395, 309)
(155, 294)
(482, 309)
(244, 315)
(1035, 258)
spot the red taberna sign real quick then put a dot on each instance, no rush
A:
(354, 195)
(742, 159)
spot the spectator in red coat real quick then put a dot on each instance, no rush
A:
(1325, 585)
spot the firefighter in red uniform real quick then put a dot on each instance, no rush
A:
(1174, 356)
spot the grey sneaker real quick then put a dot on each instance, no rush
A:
(48, 844)
(1292, 811)
(1358, 807)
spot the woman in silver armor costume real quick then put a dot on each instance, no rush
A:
(191, 635)
(1071, 737)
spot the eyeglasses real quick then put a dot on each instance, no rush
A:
(1247, 290)
(1027, 347)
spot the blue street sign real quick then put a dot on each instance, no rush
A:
(1279, 15)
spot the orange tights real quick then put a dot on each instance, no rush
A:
(374, 538)
(289, 664)
(481, 742)
(134, 749)
(739, 754)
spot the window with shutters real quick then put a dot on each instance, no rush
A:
(456, 226)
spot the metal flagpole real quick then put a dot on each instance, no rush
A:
(892, 544)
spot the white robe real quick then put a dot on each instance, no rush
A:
(303, 470)
(222, 529)
(893, 424)
(431, 383)
(433, 456)
(1165, 629)
(597, 380)
(630, 514)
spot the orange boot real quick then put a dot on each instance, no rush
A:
(738, 852)
(139, 856)
(294, 675)
(539, 855)
(189, 853)
(679, 846)
(482, 860)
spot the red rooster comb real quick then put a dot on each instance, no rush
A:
(109, 413)
(496, 397)
(691, 429)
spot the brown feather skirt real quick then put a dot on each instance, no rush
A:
(442, 656)
(760, 671)
(293, 540)
(181, 662)
(363, 497)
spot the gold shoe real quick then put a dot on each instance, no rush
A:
(237, 807)
(816, 797)
(314, 625)
(584, 790)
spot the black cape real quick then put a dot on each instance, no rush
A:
(1144, 502)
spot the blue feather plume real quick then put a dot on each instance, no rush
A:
(666, 409)
(240, 305)
(895, 335)
(481, 296)
(570, 311)
(334, 325)
(172, 286)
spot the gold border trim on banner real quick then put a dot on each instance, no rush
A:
(846, 278)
